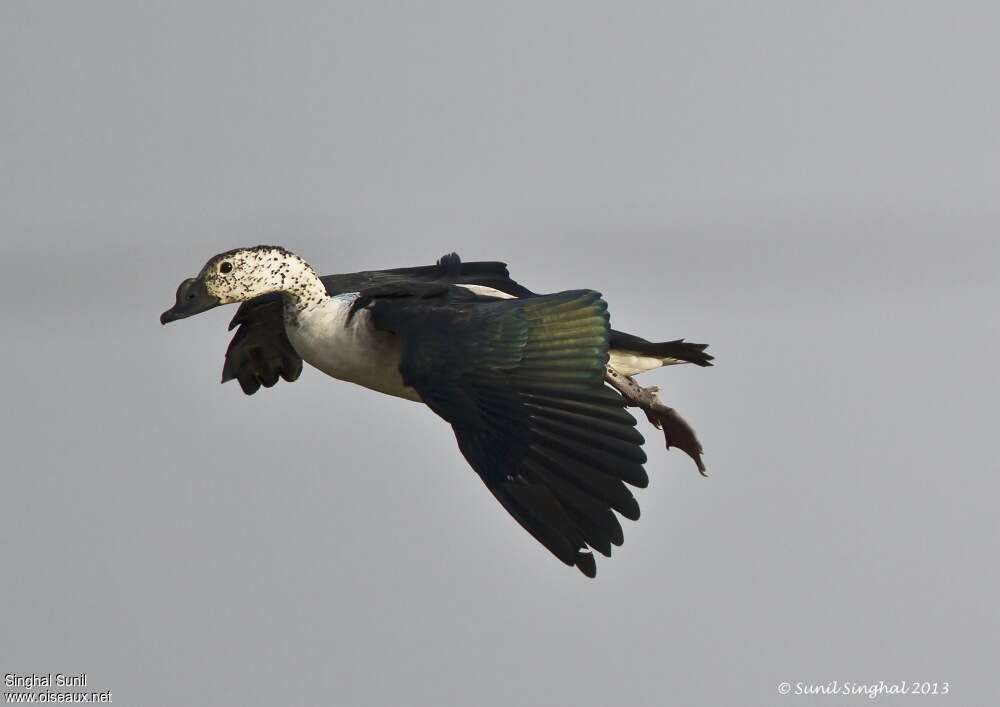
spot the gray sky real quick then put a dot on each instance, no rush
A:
(809, 187)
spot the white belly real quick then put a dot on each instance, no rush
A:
(632, 364)
(354, 352)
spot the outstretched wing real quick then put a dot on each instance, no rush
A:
(521, 382)
(260, 352)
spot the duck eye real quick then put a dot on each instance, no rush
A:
(225, 267)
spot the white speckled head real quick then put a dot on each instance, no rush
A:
(244, 273)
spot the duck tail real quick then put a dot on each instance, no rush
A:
(679, 350)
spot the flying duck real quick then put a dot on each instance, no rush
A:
(534, 386)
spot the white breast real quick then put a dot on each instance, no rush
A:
(350, 351)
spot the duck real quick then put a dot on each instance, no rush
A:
(535, 386)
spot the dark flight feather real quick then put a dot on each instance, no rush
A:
(545, 434)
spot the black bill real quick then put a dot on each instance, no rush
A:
(192, 298)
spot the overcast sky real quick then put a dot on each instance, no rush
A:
(811, 188)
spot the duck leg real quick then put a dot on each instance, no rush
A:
(676, 431)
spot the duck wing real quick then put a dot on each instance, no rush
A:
(521, 381)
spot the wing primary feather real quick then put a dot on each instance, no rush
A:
(590, 480)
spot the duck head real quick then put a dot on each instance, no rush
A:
(239, 275)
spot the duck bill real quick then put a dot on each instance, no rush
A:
(192, 298)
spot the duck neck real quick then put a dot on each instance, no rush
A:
(301, 289)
